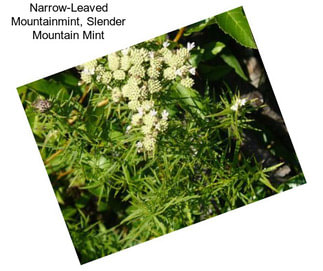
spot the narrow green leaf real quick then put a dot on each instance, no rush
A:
(233, 62)
(211, 49)
(266, 182)
(269, 169)
(218, 47)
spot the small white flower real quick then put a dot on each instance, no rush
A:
(165, 44)
(157, 126)
(153, 112)
(128, 128)
(147, 105)
(89, 71)
(192, 71)
(234, 107)
(239, 102)
(190, 45)
(140, 111)
(151, 54)
(179, 72)
(242, 102)
(139, 144)
(194, 150)
(125, 51)
(165, 115)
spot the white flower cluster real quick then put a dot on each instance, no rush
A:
(136, 76)
(238, 103)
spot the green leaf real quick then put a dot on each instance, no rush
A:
(67, 78)
(115, 135)
(196, 58)
(266, 182)
(233, 62)
(49, 88)
(211, 49)
(21, 89)
(189, 97)
(68, 212)
(235, 24)
(272, 168)
(161, 38)
(199, 26)
(218, 47)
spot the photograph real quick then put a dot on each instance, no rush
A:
(161, 135)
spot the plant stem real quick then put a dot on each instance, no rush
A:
(103, 103)
(179, 34)
(50, 158)
(62, 174)
(86, 91)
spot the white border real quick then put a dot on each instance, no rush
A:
(283, 232)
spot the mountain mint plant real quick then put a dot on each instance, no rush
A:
(161, 135)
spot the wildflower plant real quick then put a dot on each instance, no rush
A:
(156, 137)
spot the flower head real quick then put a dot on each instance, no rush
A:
(165, 115)
(190, 45)
(238, 103)
(113, 62)
(136, 119)
(141, 111)
(153, 112)
(116, 94)
(165, 44)
(192, 71)
(125, 51)
(187, 82)
(119, 75)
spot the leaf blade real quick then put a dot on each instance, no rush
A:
(235, 24)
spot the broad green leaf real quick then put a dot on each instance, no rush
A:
(189, 97)
(235, 24)
(233, 62)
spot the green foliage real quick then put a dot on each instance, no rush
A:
(233, 62)
(232, 22)
(112, 196)
(235, 24)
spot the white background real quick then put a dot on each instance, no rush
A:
(283, 232)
